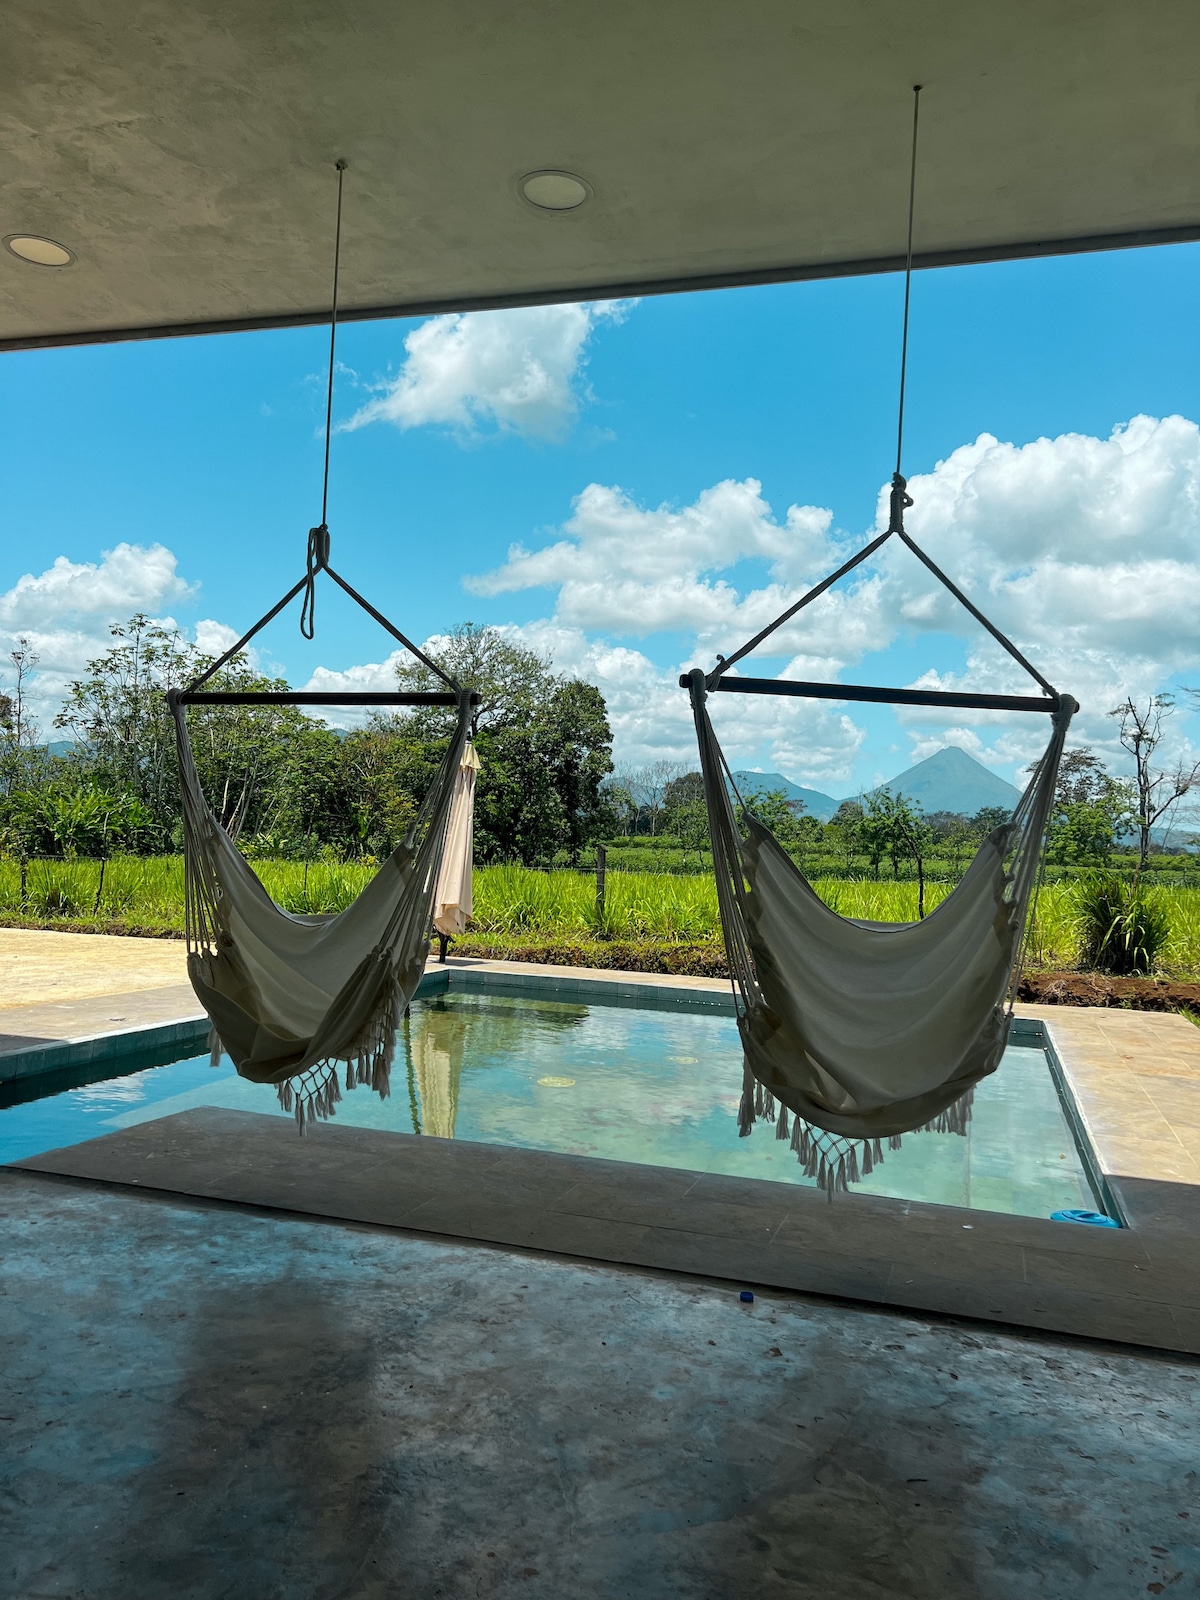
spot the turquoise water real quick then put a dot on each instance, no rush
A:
(617, 1082)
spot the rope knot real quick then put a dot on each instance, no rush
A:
(900, 501)
(318, 557)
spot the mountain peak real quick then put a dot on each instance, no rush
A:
(816, 804)
(952, 780)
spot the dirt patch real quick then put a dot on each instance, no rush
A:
(619, 955)
(1095, 989)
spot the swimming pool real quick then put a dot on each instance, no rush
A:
(618, 1081)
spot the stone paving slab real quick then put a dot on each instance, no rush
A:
(1135, 1288)
(25, 1030)
(1135, 1079)
(38, 968)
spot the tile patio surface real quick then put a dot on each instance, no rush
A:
(61, 986)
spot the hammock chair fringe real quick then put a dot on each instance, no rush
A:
(836, 1162)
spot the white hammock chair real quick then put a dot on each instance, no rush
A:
(864, 1031)
(292, 997)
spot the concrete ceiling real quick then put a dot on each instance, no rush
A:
(184, 151)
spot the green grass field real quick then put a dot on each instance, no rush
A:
(145, 894)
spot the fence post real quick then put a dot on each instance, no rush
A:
(601, 874)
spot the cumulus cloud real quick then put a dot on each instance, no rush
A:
(214, 638)
(127, 578)
(65, 612)
(517, 371)
(368, 678)
(651, 715)
(1086, 551)
(637, 571)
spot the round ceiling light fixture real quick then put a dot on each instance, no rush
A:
(41, 252)
(554, 191)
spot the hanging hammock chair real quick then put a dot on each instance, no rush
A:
(864, 1031)
(293, 998)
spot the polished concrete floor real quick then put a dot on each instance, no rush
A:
(205, 1402)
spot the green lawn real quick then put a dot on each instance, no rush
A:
(145, 895)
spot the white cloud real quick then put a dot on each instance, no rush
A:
(637, 571)
(214, 638)
(127, 578)
(516, 370)
(1085, 551)
(369, 678)
(651, 715)
(65, 613)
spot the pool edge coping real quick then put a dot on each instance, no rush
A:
(937, 1287)
(1070, 1036)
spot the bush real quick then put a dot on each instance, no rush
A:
(1121, 929)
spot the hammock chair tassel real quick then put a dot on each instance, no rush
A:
(746, 1104)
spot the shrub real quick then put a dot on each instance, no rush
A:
(1122, 930)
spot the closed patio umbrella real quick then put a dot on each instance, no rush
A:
(452, 897)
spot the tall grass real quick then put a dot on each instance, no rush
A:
(520, 900)
(145, 894)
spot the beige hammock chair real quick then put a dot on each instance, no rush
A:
(294, 998)
(864, 1031)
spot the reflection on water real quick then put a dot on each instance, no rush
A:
(435, 1036)
(615, 1082)
(435, 1058)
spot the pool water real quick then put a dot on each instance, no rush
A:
(614, 1081)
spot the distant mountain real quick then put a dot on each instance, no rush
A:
(951, 780)
(816, 804)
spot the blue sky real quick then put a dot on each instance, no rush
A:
(483, 434)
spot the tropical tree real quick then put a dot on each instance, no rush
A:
(685, 812)
(118, 712)
(1091, 811)
(544, 742)
(893, 825)
(844, 833)
(617, 795)
(1157, 790)
(22, 761)
(781, 815)
(953, 836)
(126, 736)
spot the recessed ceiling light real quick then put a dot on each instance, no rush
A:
(554, 191)
(41, 252)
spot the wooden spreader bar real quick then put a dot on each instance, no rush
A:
(305, 697)
(881, 696)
